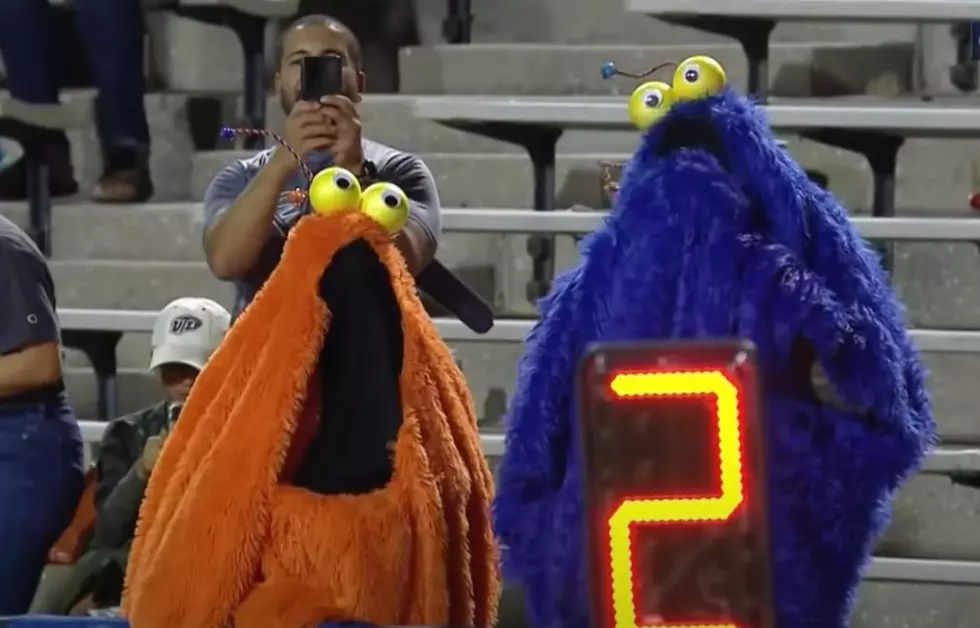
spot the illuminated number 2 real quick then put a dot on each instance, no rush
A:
(667, 510)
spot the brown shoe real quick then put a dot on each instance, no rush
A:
(129, 185)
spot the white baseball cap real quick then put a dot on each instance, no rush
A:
(187, 331)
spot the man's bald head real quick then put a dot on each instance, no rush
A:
(327, 24)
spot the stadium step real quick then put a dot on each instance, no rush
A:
(933, 175)
(797, 70)
(489, 370)
(933, 518)
(179, 44)
(914, 605)
(930, 276)
(101, 255)
(600, 21)
(113, 257)
(133, 284)
(161, 232)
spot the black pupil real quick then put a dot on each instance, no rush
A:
(691, 75)
(390, 200)
(343, 183)
(652, 100)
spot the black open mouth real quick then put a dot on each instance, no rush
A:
(359, 377)
(691, 132)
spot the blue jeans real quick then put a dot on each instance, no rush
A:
(41, 480)
(112, 32)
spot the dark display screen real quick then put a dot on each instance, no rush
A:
(675, 486)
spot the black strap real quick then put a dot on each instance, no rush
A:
(369, 174)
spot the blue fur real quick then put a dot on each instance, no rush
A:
(696, 250)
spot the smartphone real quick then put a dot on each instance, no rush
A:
(173, 413)
(320, 76)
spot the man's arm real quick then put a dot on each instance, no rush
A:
(30, 353)
(119, 489)
(419, 239)
(238, 215)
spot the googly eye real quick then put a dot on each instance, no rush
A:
(390, 199)
(387, 205)
(691, 73)
(649, 102)
(343, 180)
(698, 77)
(653, 98)
(334, 190)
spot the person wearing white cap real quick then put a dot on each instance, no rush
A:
(186, 333)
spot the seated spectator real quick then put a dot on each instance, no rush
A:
(40, 443)
(185, 335)
(112, 32)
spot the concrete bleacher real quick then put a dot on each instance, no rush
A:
(139, 257)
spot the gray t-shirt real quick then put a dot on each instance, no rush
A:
(27, 303)
(394, 166)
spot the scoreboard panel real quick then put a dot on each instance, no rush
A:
(675, 486)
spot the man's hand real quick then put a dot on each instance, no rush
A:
(151, 451)
(308, 129)
(346, 126)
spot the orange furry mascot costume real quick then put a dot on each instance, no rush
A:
(229, 535)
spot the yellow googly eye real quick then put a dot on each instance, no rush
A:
(334, 190)
(650, 102)
(387, 205)
(698, 77)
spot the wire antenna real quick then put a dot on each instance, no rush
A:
(297, 196)
(230, 132)
(610, 70)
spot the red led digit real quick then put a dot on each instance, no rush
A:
(724, 394)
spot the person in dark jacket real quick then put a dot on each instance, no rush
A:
(186, 333)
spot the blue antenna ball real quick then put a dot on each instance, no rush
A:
(608, 70)
(227, 132)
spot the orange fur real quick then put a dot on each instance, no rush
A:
(221, 539)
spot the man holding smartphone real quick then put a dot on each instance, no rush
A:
(247, 207)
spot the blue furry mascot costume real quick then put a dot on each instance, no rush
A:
(716, 232)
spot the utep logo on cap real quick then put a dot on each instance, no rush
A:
(184, 324)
